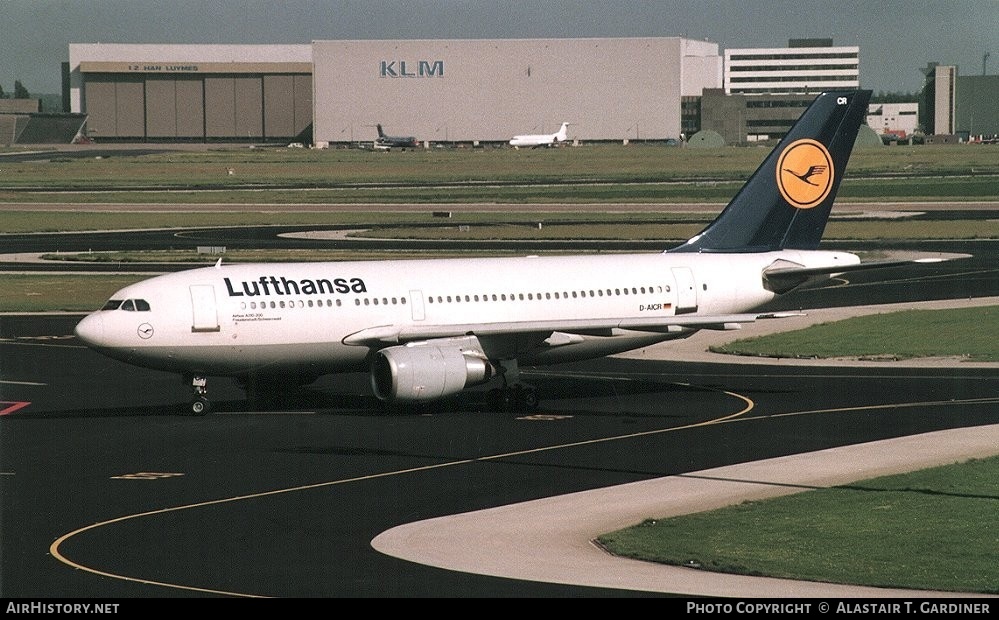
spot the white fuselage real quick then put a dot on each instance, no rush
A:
(532, 140)
(274, 317)
(540, 139)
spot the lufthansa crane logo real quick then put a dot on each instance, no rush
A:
(805, 173)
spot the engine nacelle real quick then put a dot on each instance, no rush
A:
(428, 370)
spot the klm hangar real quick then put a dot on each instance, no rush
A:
(335, 92)
(486, 90)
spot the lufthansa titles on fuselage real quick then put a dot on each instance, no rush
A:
(271, 285)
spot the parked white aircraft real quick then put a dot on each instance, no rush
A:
(427, 329)
(545, 139)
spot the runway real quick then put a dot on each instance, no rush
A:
(142, 502)
(108, 492)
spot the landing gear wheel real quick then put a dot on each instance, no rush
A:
(527, 399)
(513, 399)
(200, 406)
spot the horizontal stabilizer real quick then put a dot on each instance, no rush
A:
(783, 279)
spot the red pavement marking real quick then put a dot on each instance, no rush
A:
(13, 406)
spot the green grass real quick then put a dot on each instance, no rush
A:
(968, 333)
(57, 292)
(589, 174)
(933, 529)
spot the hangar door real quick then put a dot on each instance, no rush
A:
(234, 107)
(175, 108)
(186, 106)
(116, 106)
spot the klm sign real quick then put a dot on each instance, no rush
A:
(404, 69)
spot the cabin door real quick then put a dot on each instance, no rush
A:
(416, 303)
(206, 317)
(686, 290)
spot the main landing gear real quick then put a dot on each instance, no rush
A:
(512, 396)
(517, 398)
(200, 405)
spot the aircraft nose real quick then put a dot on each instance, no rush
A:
(91, 330)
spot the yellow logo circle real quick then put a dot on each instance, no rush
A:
(805, 173)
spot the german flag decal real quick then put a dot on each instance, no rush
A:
(805, 173)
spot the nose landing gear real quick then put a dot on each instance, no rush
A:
(200, 405)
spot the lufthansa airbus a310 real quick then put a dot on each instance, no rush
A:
(428, 329)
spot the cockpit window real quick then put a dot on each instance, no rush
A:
(130, 305)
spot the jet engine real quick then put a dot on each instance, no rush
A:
(428, 370)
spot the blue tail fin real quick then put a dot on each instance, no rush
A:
(786, 203)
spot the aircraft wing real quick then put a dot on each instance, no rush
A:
(397, 334)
